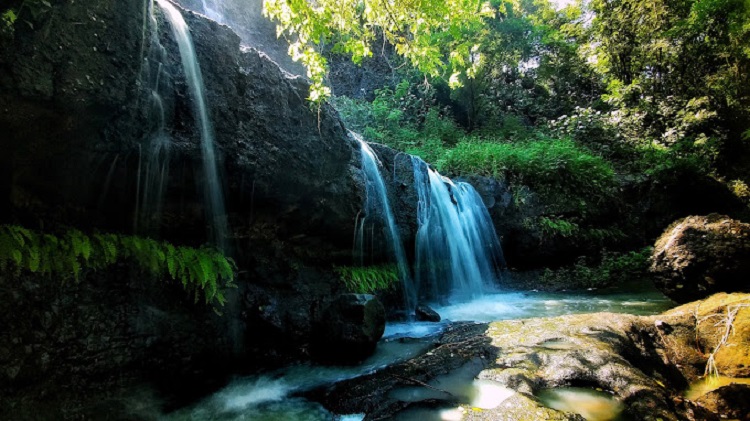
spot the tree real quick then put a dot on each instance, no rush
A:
(436, 36)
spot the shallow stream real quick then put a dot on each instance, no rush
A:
(272, 396)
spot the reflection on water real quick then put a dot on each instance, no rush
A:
(458, 385)
(711, 383)
(592, 405)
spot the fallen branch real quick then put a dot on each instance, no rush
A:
(421, 383)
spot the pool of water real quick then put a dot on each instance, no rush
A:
(270, 396)
(711, 383)
(593, 405)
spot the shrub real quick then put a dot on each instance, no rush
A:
(612, 269)
(562, 172)
(200, 270)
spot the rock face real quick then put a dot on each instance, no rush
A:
(76, 131)
(701, 255)
(111, 328)
(350, 328)
(645, 363)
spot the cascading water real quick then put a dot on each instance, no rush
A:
(153, 161)
(378, 214)
(214, 198)
(458, 253)
(212, 10)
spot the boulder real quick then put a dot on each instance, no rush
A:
(426, 314)
(700, 255)
(349, 329)
(732, 401)
(718, 326)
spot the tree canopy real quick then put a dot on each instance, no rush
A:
(438, 37)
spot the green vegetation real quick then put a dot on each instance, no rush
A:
(368, 279)
(71, 254)
(543, 164)
(27, 11)
(590, 113)
(431, 35)
(612, 269)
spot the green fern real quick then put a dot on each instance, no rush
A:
(201, 271)
(368, 279)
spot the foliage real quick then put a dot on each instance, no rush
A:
(434, 36)
(27, 11)
(405, 117)
(612, 269)
(558, 169)
(72, 253)
(368, 279)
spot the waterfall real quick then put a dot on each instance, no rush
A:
(153, 162)
(378, 214)
(212, 188)
(212, 10)
(458, 253)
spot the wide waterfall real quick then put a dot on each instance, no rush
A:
(212, 188)
(378, 214)
(458, 253)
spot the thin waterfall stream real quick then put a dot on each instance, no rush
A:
(212, 187)
(377, 206)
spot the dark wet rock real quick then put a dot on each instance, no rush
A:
(458, 346)
(349, 329)
(731, 401)
(65, 346)
(700, 255)
(425, 313)
(75, 142)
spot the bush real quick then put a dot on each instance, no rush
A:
(68, 255)
(563, 173)
(612, 269)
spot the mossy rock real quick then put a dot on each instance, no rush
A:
(701, 255)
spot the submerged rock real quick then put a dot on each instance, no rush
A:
(349, 329)
(425, 313)
(700, 255)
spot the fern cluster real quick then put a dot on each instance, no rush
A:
(368, 279)
(67, 255)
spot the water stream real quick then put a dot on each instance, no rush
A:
(212, 9)
(272, 396)
(378, 215)
(458, 254)
(212, 187)
(154, 155)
